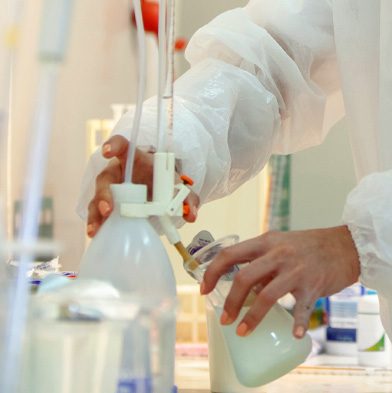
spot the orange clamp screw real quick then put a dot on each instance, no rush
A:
(187, 180)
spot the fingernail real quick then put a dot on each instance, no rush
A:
(225, 319)
(194, 210)
(243, 330)
(106, 149)
(90, 230)
(202, 288)
(299, 331)
(104, 208)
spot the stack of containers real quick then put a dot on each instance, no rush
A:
(355, 328)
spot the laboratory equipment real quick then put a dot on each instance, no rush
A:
(269, 352)
(52, 46)
(9, 32)
(128, 254)
(374, 347)
(141, 36)
(87, 323)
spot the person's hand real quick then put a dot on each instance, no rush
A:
(308, 264)
(116, 149)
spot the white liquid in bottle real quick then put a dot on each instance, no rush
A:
(269, 352)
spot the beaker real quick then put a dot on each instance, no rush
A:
(78, 345)
(269, 352)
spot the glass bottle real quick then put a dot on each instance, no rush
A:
(271, 350)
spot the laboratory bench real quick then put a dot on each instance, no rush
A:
(322, 374)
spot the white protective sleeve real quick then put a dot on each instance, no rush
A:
(260, 82)
(368, 216)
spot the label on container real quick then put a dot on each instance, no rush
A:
(341, 335)
(201, 240)
(342, 308)
(343, 313)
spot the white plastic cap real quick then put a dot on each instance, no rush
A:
(369, 304)
(129, 193)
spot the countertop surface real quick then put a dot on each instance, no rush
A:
(323, 374)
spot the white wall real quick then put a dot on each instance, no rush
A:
(321, 179)
(190, 18)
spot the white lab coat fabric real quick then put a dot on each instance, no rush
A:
(266, 79)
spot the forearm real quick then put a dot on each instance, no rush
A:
(289, 48)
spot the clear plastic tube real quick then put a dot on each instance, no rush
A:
(166, 74)
(141, 36)
(9, 29)
(29, 229)
(54, 34)
(9, 26)
(169, 90)
(162, 53)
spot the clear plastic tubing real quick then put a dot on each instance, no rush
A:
(9, 34)
(141, 38)
(166, 74)
(53, 40)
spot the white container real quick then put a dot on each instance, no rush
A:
(72, 357)
(127, 253)
(374, 347)
(268, 353)
(342, 310)
(74, 339)
(222, 375)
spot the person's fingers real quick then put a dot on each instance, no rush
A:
(112, 174)
(257, 272)
(115, 146)
(302, 312)
(239, 253)
(143, 170)
(262, 303)
(192, 201)
(94, 219)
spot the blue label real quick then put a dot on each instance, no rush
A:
(141, 385)
(134, 386)
(342, 335)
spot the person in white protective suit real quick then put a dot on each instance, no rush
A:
(264, 79)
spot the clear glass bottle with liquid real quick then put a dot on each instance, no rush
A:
(270, 351)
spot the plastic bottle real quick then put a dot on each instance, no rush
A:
(128, 253)
(342, 311)
(271, 350)
(374, 347)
